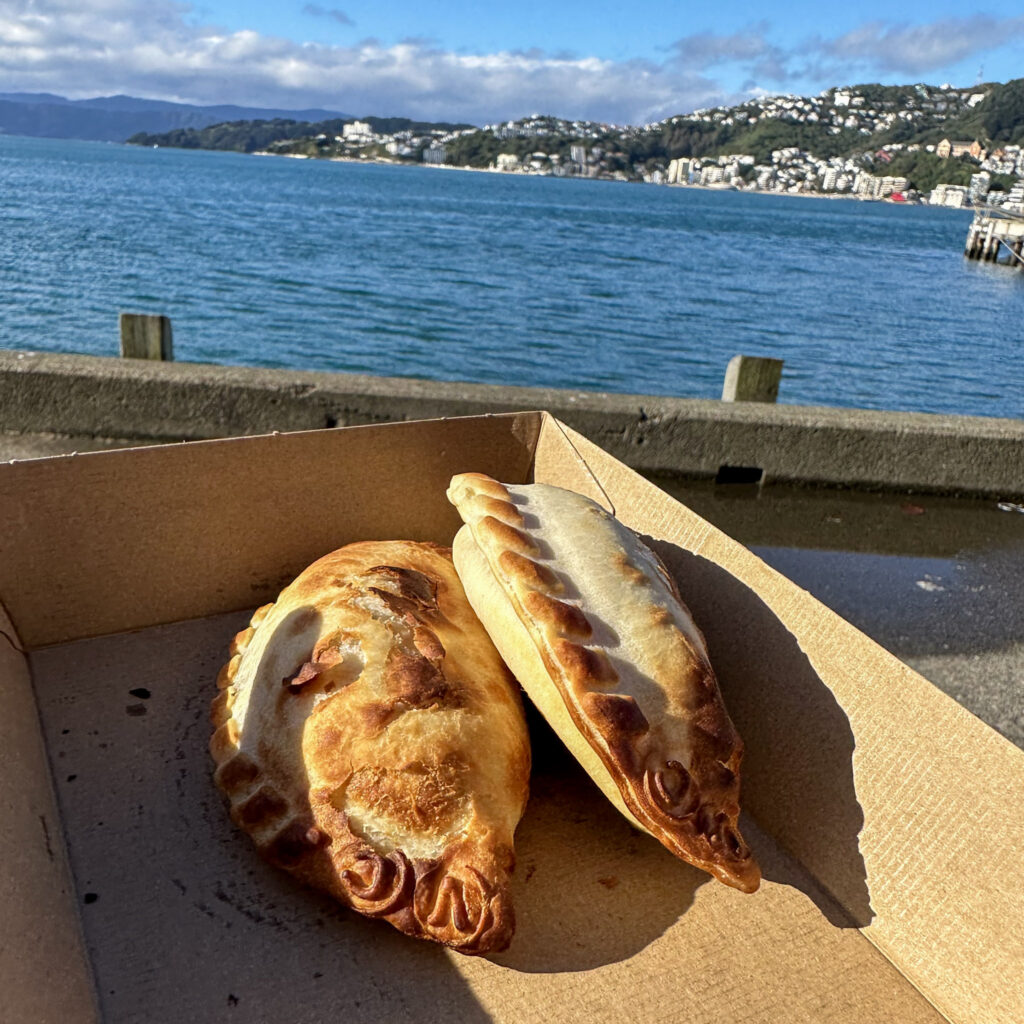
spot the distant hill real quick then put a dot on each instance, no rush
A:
(114, 118)
(837, 122)
(999, 120)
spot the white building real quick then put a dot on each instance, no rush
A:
(682, 171)
(948, 195)
(357, 131)
(1015, 197)
(979, 186)
(866, 185)
(888, 184)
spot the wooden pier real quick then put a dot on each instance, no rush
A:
(995, 234)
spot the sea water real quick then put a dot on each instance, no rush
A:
(452, 275)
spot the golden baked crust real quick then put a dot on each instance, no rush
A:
(592, 625)
(371, 742)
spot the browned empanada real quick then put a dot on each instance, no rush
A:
(371, 741)
(592, 625)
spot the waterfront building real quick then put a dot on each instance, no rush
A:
(889, 184)
(433, 155)
(948, 195)
(1015, 197)
(682, 171)
(866, 185)
(978, 189)
(357, 131)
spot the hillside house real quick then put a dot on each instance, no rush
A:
(946, 148)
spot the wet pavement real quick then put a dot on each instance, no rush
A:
(937, 581)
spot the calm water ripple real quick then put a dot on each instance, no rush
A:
(458, 276)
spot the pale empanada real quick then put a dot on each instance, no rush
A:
(372, 742)
(592, 625)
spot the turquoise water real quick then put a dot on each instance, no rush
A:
(409, 271)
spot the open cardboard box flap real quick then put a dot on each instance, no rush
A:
(886, 818)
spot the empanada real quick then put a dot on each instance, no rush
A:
(592, 625)
(372, 742)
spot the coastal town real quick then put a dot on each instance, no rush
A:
(911, 144)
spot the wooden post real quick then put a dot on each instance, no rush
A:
(975, 245)
(752, 379)
(972, 234)
(146, 336)
(987, 255)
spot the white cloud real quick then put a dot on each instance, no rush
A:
(158, 48)
(707, 49)
(334, 13)
(919, 49)
(897, 50)
(154, 49)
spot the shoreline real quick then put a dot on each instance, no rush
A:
(381, 162)
(804, 194)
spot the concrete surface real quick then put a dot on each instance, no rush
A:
(102, 398)
(42, 446)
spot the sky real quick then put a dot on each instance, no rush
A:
(453, 60)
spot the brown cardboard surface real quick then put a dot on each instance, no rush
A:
(43, 970)
(905, 807)
(186, 918)
(873, 800)
(147, 535)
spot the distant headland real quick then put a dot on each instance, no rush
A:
(947, 145)
(952, 146)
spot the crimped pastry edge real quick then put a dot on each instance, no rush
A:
(444, 899)
(664, 799)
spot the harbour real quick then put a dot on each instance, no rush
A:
(399, 272)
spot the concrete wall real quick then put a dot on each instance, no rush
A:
(124, 398)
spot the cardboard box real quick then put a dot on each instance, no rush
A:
(886, 818)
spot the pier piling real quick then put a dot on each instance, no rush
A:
(146, 336)
(752, 379)
(992, 230)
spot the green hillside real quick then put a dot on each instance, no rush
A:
(253, 136)
(850, 123)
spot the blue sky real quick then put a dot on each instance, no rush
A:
(626, 63)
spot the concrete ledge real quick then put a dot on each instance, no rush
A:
(152, 401)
